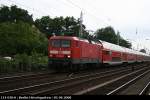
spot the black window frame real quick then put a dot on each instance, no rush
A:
(69, 42)
(52, 41)
(60, 43)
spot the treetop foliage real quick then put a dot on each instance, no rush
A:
(59, 25)
(108, 34)
(14, 14)
(18, 33)
(143, 50)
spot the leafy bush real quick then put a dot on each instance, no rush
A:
(24, 63)
(38, 61)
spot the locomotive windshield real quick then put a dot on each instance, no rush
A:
(65, 43)
(60, 43)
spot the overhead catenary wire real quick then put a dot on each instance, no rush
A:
(45, 13)
(85, 10)
(72, 4)
(31, 9)
(69, 4)
(98, 20)
(93, 8)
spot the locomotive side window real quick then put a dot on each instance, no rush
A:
(65, 43)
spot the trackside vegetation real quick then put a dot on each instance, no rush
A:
(24, 63)
(21, 41)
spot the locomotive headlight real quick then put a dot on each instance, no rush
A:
(68, 56)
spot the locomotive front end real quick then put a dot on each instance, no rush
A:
(59, 52)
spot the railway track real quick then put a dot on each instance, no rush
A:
(68, 86)
(18, 77)
(124, 89)
(22, 80)
(119, 85)
(72, 87)
(13, 82)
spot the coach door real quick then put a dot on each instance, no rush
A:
(106, 56)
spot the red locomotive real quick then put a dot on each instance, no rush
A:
(73, 53)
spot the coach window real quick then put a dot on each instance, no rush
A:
(110, 52)
(107, 52)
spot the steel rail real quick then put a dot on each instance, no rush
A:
(24, 76)
(144, 90)
(127, 83)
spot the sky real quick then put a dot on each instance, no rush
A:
(130, 17)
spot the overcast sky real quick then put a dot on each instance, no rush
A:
(124, 16)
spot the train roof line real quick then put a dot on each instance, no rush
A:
(115, 47)
(106, 45)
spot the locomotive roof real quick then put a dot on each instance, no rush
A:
(64, 37)
(74, 38)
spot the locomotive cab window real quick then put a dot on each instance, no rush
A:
(65, 43)
(55, 43)
(60, 43)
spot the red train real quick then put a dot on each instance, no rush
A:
(75, 53)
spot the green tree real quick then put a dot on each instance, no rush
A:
(108, 34)
(14, 14)
(143, 50)
(44, 24)
(21, 38)
(124, 43)
(59, 25)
